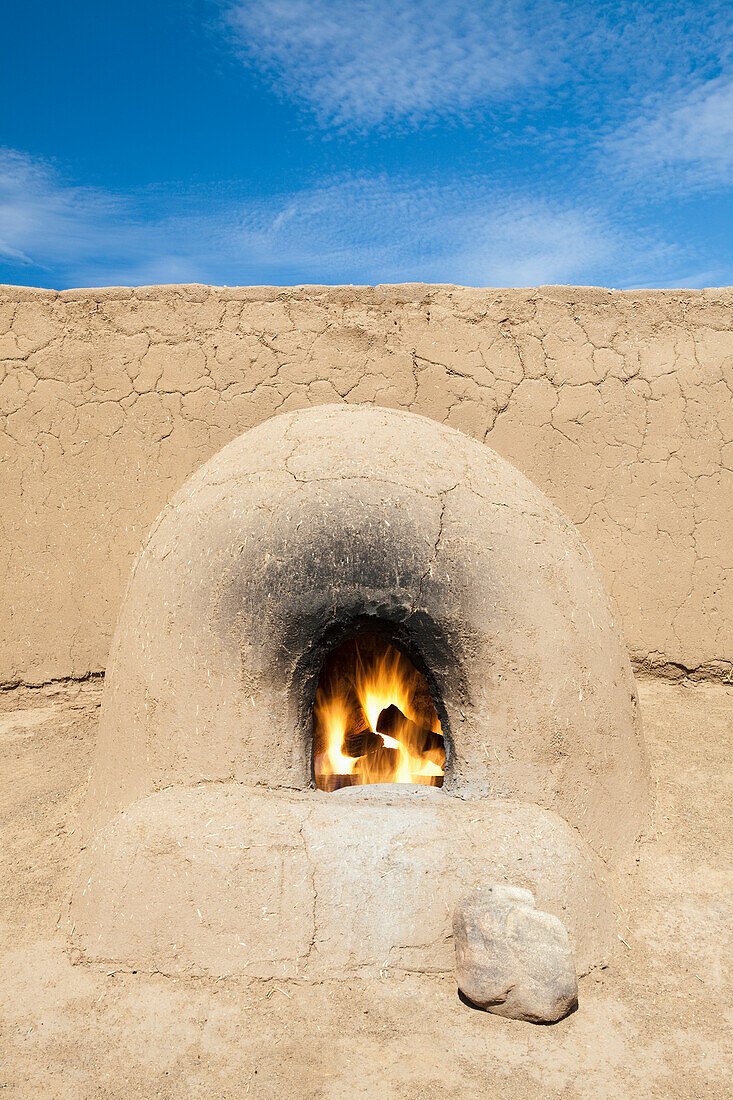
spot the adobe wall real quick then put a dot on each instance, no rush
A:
(619, 405)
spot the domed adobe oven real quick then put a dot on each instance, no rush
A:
(362, 667)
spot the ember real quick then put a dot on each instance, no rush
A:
(374, 720)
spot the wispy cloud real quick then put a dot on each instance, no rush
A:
(393, 230)
(368, 228)
(680, 142)
(363, 63)
(40, 216)
(77, 235)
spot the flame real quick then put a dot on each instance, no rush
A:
(361, 684)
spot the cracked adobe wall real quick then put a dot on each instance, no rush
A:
(617, 404)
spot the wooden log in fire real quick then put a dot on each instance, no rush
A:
(393, 723)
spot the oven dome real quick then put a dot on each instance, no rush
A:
(326, 519)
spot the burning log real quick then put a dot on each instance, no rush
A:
(393, 723)
(361, 741)
(383, 753)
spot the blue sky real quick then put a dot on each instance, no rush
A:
(505, 143)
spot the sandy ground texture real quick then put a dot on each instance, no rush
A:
(656, 1023)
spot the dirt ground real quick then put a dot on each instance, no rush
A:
(656, 1023)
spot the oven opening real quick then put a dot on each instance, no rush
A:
(374, 720)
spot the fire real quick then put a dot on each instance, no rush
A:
(374, 720)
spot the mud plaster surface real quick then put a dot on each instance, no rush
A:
(655, 1023)
(617, 405)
